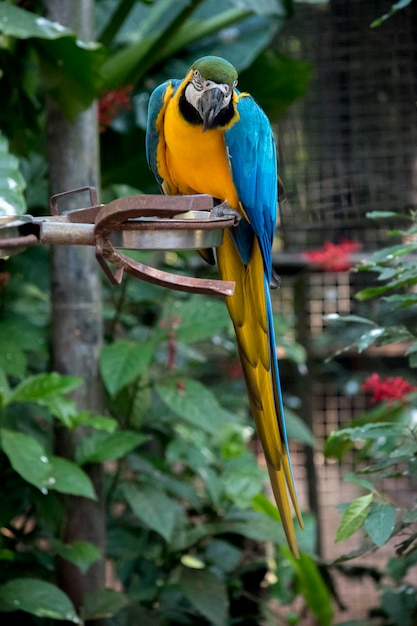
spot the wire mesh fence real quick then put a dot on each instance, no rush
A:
(348, 148)
(331, 391)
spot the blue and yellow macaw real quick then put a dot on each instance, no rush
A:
(204, 136)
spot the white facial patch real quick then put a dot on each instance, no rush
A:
(199, 85)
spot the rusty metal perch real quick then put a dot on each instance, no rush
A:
(142, 222)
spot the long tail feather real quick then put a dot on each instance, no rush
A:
(278, 484)
(251, 313)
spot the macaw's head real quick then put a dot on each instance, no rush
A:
(207, 98)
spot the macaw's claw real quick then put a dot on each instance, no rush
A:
(224, 210)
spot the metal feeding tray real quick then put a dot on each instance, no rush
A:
(142, 222)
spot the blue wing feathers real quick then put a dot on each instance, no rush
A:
(252, 151)
(156, 103)
(274, 366)
(251, 147)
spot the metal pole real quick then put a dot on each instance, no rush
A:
(73, 156)
(305, 391)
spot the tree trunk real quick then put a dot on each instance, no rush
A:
(76, 304)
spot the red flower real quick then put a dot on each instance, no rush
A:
(391, 388)
(333, 257)
(233, 369)
(111, 104)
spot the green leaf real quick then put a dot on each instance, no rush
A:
(20, 24)
(412, 469)
(403, 300)
(81, 553)
(27, 457)
(122, 362)
(185, 537)
(71, 72)
(48, 390)
(70, 67)
(67, 477)
(251, 524)
(44, 386)
(4, 388)
(12, 358)
(100, 447)
(130, 63)
(38, 598)
(207, 593)
(223, 555)
(210, 28)
(298, 430)
(242, 479)
(98, 422)
(194, 403)
(192, 561)
(312, 587)
(341, 441)
(412, 355)
(26, 337)
(177, 487)
(264, 505)
(358, 480)
(398, 567)
(102, 604)
(377, 215)
(383, 255)
(401, 4)
(350, 318)
(406, 449)
(353, 517)
(381, 413)
(197, 318)
(388, 273)
(306, 538)
(368, 338)
(337, 444)
(380, 522)
(109, 22)
(153, 507)
(400, 604)
(372, 431)
(213, 484)
(12, 184)
(6, 555)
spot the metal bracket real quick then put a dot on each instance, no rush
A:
(142, 222)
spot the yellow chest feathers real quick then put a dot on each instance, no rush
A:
(196, 161)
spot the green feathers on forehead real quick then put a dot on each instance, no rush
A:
(216, 69)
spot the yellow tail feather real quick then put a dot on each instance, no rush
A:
(278, 485)
(247, 309)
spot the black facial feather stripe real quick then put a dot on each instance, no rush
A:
(193, 117)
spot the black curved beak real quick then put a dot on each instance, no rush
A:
(209, 106)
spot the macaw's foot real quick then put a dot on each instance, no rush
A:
(225, 210)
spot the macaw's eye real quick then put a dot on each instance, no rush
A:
(197, 80)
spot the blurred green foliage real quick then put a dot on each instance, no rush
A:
(383, 440)
(187, 518)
